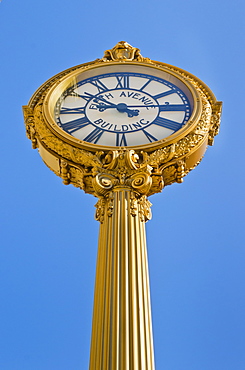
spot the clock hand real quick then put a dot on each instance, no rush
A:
(121, 107)
(163, 107)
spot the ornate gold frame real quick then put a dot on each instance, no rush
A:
(171, 158)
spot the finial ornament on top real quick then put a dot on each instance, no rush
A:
(123, 51)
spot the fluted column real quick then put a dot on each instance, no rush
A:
(122, 328)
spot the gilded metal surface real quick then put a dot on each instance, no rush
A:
(122, 330)
(124, 52)
(162, 156)
(122, 178)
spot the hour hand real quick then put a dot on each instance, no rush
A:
(132, 113)
(102, 106)
(99, 99)
(121, 107)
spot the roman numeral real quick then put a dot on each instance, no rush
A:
(149, 136)
(121, 140)
(172, 107)
(165, 93)
(167, 123)
(94, 135)
(100, 86)
(122, 82)
(75, 125)
(72, 110)
(147, 83)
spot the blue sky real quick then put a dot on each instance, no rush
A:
(49, 235)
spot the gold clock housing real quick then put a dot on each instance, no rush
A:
(170, 157)
(73, 78)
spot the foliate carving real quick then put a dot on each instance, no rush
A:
(144, 172)
(180, 171)
(157, 182)
(100, 210)
(160, 156)
(110, 204)
(72, 174)
(76, 177)
(215, 121)
(133, 204)
(122, 169)
(30, 126)
(186, 144)
(175, 172)
(123, 159)
(138, 205)
(65, 175)
(60, 147)
(169, 174)
(122, 52)
(145, 209)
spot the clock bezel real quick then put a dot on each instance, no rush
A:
(65, 82)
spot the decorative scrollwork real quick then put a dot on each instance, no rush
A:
(30, 126)
(180, 171)
(102, 184)
(142, 182)
(122, 52)
(145, 209)
(133, 204)
(122, 169)
(146, 171)
(100, 210)
(65, 175)
(215, 121)
(169, 174)
(110, 204)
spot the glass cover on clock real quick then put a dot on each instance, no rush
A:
(127, 106)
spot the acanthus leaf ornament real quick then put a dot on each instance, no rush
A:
(215, 120)
(30, 126)
(122, 52)
(145, 209)
(163, 158)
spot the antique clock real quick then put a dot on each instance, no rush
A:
(122, 105)
(121, 128)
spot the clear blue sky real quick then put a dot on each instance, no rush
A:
(49, 236)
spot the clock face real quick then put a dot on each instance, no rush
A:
(125, 106)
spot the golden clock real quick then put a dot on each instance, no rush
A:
(121, 128)
(123, 101)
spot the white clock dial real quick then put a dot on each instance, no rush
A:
(124, 107)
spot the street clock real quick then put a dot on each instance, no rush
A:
(121, 128)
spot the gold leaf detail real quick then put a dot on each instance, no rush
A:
(110, 205)
(133, 204)
(123, 51)
(145, 209)
(100, 210)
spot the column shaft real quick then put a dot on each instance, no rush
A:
(122, 329)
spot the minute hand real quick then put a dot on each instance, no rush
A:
(163, 107)
(123, 108)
